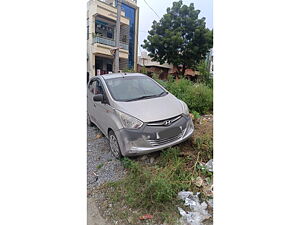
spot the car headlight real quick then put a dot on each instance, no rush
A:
(185, 108)
(129, 121)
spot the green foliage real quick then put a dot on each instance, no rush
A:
(156, 187)
(169, 156)
(129, 164)
(127, 70)
(204, 145)
(155, 76)
(100, 166)
(179, 37)
(153, 189)
(197, 96)
(195, 114)
(205, 76)
(144, 70)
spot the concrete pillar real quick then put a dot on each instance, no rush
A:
(91, 56)
(136, 38)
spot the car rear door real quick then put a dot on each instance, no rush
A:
(90, 95)
(103, 110)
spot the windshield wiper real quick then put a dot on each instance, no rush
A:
(147, 96)
(142, 97)
(161, 94)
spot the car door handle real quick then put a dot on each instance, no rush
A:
(94, 105)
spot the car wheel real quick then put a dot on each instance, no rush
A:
(89, 122)
(114, 145)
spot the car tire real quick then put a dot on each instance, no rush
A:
(114, 145)
(89, 122)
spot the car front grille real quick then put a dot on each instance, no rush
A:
(158, 142)
(163, 122)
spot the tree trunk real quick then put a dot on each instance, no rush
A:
(178, 72)
(183, 70)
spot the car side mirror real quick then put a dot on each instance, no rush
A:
(98, 98)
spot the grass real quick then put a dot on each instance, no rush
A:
(153, 188)
(205, 147)
(156, 185)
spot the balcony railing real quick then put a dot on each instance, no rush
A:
(113, 3)
(124, 46)
(110, 42)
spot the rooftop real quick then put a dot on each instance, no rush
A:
(146, 60)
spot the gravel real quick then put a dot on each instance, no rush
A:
(102, 167)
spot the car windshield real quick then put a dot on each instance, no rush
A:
(134, 88)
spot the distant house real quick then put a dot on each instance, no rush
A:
(189, 73)
(144, 61)
(163, 70)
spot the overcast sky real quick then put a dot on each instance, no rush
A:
(160, 6)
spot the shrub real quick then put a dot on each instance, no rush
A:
(144, 70)
(128, 70)
(197, 96)
(205, 76)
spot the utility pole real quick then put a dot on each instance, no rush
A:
(117, 66)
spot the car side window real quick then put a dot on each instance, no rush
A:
(92, 86)
(101, 90)
(98, 88)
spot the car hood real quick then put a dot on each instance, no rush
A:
(153, 109)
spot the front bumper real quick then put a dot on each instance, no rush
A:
(146, 140)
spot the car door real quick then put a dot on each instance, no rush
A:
(103, 110)
(90, 103)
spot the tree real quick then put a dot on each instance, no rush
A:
(180, 37)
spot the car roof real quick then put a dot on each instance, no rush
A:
(119, 75)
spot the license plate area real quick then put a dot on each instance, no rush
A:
(169, 133)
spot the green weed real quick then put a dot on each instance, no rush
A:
(196, 114)
(100, 166)
(153, 189)
(204, 145)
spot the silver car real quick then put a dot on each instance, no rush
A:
(136, 114)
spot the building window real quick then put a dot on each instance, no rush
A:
(130, 14)
(104, 29)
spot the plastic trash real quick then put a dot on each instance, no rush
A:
(198, 211)
(209, 165)
(199, 182)
(146, 217)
